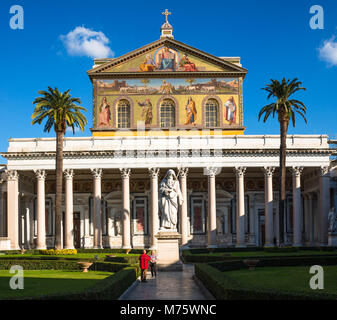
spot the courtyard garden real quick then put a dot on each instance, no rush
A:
(269, 274)
(50, 274)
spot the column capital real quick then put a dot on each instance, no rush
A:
(125, 172)
(40, 174)
(68, 174)
(12, 175)
(324, 170)
(296, 171)
(97, 173)
(211, 171)
(268, 171)
(154, 172)
(182, 172)
(240, 171)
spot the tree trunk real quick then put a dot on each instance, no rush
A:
(58, 201)
(282, 177)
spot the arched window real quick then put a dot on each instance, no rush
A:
(123, 115)
(212, 113)
(167, 113)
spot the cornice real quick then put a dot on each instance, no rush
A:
(118, 153)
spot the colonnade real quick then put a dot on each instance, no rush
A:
(12, 207)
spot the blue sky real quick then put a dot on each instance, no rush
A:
(273, 38)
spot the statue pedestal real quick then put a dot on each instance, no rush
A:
(168, 251)
(332, 242)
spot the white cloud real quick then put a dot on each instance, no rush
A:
(328, 51)
(86, 42)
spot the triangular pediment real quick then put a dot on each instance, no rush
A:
(166, 56)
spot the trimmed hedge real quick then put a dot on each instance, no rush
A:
(224, 288)
(277, 262)
(135, 251)
(52, 252)
(31, 264)
(194, 256)
(125, 259)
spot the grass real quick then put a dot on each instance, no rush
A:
(293, 279)
(45, 282)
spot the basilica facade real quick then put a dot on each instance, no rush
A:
(167, 106)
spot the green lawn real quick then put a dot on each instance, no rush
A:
(294, 279)
(37, 283)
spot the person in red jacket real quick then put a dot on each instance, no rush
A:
(144, 264)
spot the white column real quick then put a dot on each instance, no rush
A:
(268, 206)
(297, 207)
(154, 219)
(324, 204)
(240, 206)
(126, 239)
(211, 172)
(40, 209)
(13, 208)
(97, 197)
(183, 212)
(69, 214)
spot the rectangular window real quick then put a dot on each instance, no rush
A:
(140, 216)
(198, 215)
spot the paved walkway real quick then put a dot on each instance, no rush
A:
(168, 286)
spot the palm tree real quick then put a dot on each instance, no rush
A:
(190, 81)
(286, 109)
(145, 82)
(61, 111)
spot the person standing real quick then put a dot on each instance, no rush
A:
(144, 264)
(153, 263)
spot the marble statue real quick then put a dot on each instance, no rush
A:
(332, 218)
(170, 198)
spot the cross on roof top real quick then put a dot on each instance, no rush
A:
(166, 13)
